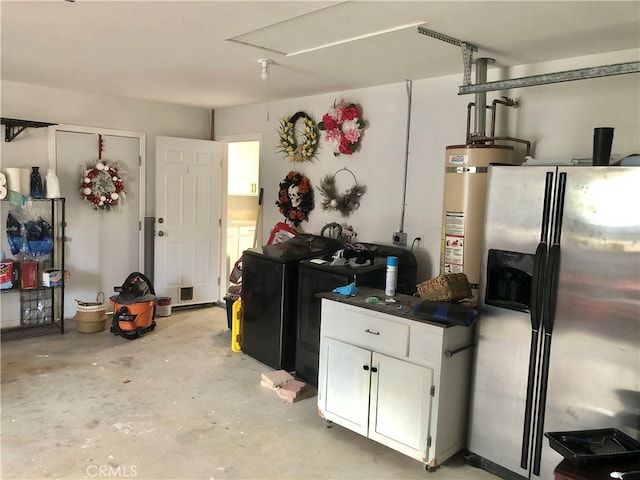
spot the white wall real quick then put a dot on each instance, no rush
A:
(558, 119)
(31, 102)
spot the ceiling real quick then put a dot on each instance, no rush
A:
(205, 53)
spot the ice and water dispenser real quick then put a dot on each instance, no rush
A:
(509, 279)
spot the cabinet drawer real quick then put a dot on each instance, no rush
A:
(367, 331)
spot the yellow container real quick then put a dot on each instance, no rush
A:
(236, 323)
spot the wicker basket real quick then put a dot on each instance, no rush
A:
(450, 287)
(91, 316)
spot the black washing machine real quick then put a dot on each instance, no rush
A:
(318, 275)
(270, 297)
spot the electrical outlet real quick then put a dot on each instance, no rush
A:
(400, 238)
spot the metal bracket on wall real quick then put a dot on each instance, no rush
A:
(467, 50)
(14, 127)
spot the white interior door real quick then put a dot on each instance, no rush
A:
(103, 247)
(187, 227)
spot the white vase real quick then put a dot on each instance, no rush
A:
(52, 185)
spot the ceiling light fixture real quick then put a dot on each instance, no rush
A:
(265, 62)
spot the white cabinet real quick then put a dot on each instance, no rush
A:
(239, 239)
(245, 238)
(399, 381)
(244, 159)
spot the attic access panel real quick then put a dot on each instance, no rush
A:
(319, 29)
(14, 127)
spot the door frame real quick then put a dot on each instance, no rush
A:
(225, 140)
(142, 157)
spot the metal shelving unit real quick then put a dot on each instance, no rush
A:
(41, 308)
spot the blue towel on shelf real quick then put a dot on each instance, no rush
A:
(347, 290)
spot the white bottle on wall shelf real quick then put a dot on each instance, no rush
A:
(52, 185)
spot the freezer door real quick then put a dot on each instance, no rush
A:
(594, 379)
(513, 223)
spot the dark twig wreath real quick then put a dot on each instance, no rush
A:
(295, 199)
(345, 203)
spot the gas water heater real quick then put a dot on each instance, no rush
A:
(465, 185)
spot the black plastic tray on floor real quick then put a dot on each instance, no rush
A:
(587, 447)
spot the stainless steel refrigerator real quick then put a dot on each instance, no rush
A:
(558, 340)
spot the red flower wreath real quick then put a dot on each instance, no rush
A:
(342, 128)
(295, 198)
(102, 185)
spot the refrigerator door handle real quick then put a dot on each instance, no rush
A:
(551, 290)
(548, 319)
(551, 283)
(536, 309)
(540, 268)
(537, 286)
(542, 404)
(528, 409)
(536, 318)
(559, 213)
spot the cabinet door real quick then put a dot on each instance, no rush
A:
(245, 239)
(400, 405)
(343, 393)
(243, 167)
(233, 251)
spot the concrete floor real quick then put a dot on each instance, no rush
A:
(175, 404)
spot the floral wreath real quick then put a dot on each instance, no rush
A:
(289, 143)
(102, 185)
(295, 199)
(345, 203)
(342, 128)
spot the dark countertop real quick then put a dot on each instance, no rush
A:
(403, 306)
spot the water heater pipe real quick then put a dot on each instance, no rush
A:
(509, 102)
(481, 97)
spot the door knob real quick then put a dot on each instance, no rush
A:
(161, 233)
(365, 367)
(374, 369)
(161, 220)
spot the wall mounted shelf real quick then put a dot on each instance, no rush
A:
(14, 127)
